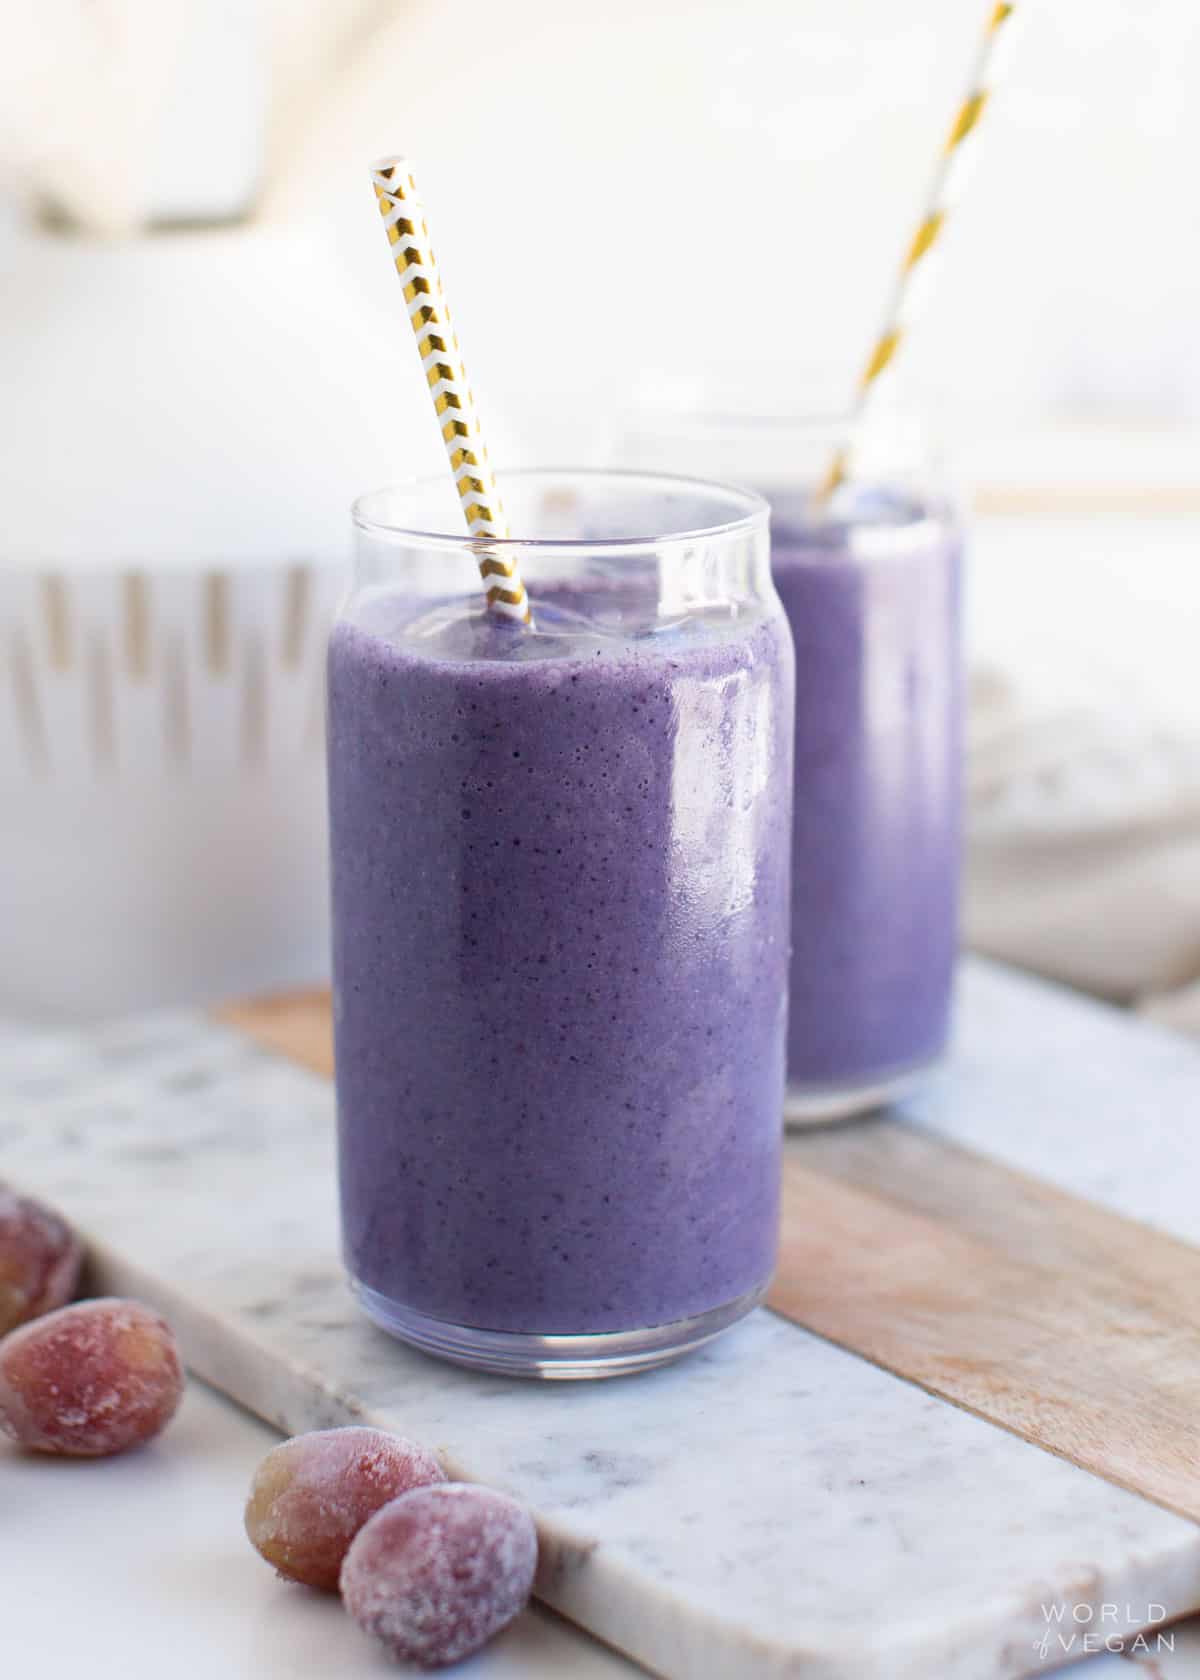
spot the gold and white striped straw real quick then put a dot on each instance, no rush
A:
(404, 218)
(947, 180)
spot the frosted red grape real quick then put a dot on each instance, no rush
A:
(89, 1380)
(437, 1573)
(312, 1494)
(40, 1257)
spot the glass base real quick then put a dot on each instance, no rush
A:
(615, 1353)
(825, 1105)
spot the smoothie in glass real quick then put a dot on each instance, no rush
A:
(560, 886)
(870, 583)
(872, 598)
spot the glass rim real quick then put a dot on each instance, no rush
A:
(829, 414)
(754, 515)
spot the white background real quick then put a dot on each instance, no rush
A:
(693, 182)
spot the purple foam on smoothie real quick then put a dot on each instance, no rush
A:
(560, 871)
(876, 837)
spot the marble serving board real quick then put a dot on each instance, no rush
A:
(773, 1506)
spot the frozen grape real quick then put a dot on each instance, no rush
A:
(439, 1572)
(89, 1380)
(40, 1257)
(312, 1494)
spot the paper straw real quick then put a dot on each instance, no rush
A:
(947, 180)
(404, 218)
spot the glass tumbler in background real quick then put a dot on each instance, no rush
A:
(560, 864)
(870, 584)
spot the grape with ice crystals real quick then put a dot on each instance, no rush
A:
(40, 1257)
(89, 1380)
(437, 1573)
(312, 1494)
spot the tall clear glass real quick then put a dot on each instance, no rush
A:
(870, 583)
(560, 865)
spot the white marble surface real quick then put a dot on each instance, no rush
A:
(771, 1507)
(1076, 1093)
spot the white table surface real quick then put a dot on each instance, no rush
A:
(137, 1567)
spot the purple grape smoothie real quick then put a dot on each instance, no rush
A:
(874, 611)
(560, 886)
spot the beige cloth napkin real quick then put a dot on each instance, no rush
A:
(1083, 858)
